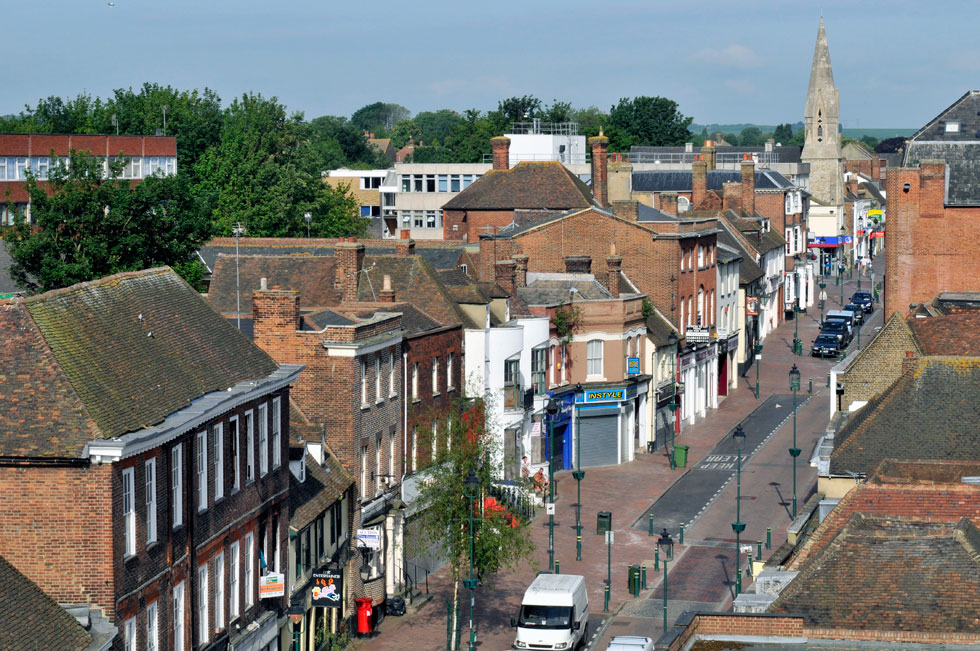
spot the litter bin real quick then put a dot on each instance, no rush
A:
(363, 615)
(603, 522)
(633, 580)
(680, 456)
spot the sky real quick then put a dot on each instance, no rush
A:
(897, 63)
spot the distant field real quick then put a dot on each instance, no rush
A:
(880, 134)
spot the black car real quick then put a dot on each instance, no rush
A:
(865, 300)
(837, 328)
(826, 345)
(858, 312)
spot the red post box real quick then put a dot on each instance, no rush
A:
(363, 615)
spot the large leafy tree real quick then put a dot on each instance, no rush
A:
(469, 140)
(649, 121)
(436, 125)
(501, 540)
(266, 174)
(380, 117)
(87, 224)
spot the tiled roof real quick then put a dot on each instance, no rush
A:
(950, 334)
(531, 185)
(133, 347)
(897, 575)
(313, 277)
(659, 329)
(960, 148)
(552, 291)
(324, 318)
(727, 254)
(324, 485)
(30, 619)
(748, 270)
(931, 412)
(680, 180)
(645, 213)
(412, 279)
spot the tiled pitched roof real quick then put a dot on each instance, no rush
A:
(898, 576)
(931, 412)
(324, 485)
(951, 334)
(30, 619)
(659, 329)
(531, 185)
(313, 277)
(554, 289)
(748, 270)
(960, 148)
(413, 279)
(138, 346)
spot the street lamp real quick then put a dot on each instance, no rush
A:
(579, 475)
(472, 491)
(758, 363)
(296, 614)
(552, 409)
(738, 438)
(861, 230)
(666, 547)
(823, 297)
(794, 384)
(308, 216)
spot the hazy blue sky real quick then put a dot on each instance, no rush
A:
(897, 63)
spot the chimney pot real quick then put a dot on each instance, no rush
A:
(387, 294)
(263, 283)
(748, 185)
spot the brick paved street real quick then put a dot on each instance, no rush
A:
(702, 572)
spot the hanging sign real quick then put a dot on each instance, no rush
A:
(328, 588)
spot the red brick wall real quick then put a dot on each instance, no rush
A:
(473, 223)
(433, 405)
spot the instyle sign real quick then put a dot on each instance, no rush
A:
(328, 588)
(603, 395)
(272, 585)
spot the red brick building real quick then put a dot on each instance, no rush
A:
(153, 472)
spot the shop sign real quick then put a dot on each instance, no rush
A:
(633, 365)
(707, 353)
(272, 585)
(752, 305)
(603, 395)
(328, 588)
(370, 538)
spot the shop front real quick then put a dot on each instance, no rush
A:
(609, 420)
(699, 376)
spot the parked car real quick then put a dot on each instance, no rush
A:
(845, 315)
(837, 328)
(865, 300)
(858, 312)
(630, 643)
(826, 345)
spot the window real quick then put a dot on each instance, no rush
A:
(700, 305)
(129, 513)
(952, 127)
(417, 218)
(435, 440)
(377, 379)
(42, 167)
(700, 256)
(179, 617)
(443, 183)
(249, 446)
(449, 372)
(202, 602)
(538, 366)
(249, 569)
(435, 375)
(512, 384)
(263, 440)
(415, 381)
(430, 218)
(415, 447)
(177, 490)
(454, 183)
(202, 470)
(219, 591)
(276, 432)
(233, 565)
(364, 475)
(152, 620)
(391, 451)
(391, 374)
(219, 460)
(236, 451)
(449, 433)
(151, 501)
(364, 384)
(130, 632)
(379, 488)
(594, 360)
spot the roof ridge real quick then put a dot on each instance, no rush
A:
(78, 288)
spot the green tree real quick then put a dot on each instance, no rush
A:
(517, 109)
(403, 131)
(590, 120)
(870, 142)
(380, 117)
(266, 174)
(557, 112)
(339, 143)
(84, 114)
(469, 140)
(647, 121)
(500, 540)
(86, 225)
(783, 133)
(436, 125)
(751, 137)
(731, 138)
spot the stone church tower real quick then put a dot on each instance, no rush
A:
(821, 117)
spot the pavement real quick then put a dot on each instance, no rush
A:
(701, 574)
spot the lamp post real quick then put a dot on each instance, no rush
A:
(860, 232)
(738, 438)
(666, 547)
(823, 297)
(308, 216)
(794, 384)
(238, 230)
(758, 362)
(472, 490)
(551, 408)
(296, 614)
(579, 475)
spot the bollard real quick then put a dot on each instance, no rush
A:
(748, 567)
(810, 390)
(682, 535)
(643, 576)
(656, 559)
(759, 544)
(650, 530)
(768, 537)
(828, 380)
(557, 570)
(605, 605)
(578, 545)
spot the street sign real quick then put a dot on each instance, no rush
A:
(550, 508)
(328, 588)
(633, 365)
(609, 537)
(272, 585)
(370, 538)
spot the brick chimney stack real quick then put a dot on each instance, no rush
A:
(614, 264)
(504, 270)
(578, 264)
(709, 154)
(600, 154)
(732, 199)
(406, 245)
(520, 269)
(275, 314)
(748, 184)
(699, 181)
(387, 294)
(501, 152)
(668, 203)
(349, 262)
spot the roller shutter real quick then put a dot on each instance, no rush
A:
(600, 437)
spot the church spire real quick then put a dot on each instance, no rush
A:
(821, 120)
(821, 72)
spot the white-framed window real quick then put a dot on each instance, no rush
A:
(233, 587)
(202, 470)
(364, 472)
(379, 488)
(249, 569)
(449, 433)
(219, 591)
(435, 375)
(219, 461)
(377, 379)
(391, 375)
(700, 256)
(152, 630)
(236, 452)
(415, 381)
(364, 384)
(129, 513)
(276, 432)
(435, 440)
(415, 447)
(176, 484)
(594, 360)
(129, 626)
(449, 372)
(178, 617)
(151, 500)
(263, 440)
(202, 603)
(249, 446)
(952, 127)
(391, 451)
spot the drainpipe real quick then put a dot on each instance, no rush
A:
(405, 400)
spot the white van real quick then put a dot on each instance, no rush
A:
(846, 315)
(554, 613)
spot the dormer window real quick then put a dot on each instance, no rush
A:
(952, 127)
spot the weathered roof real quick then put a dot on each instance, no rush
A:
(898, 575)
(554, 289)
(659, 329)
(321, 319)
(680, 180)
(107, 357)
(645, 213)
(412, 279)
(931, 412)
(312, 276)
(30, 619)
(728, 254)
(748, 270)
(960, 148)
(324, 486)
(531, 185)
(949, 334)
